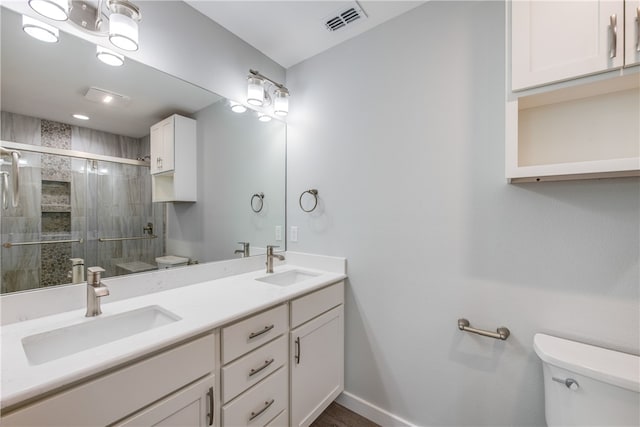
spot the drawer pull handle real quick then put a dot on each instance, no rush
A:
(264, 331)
(297, 356)
(638, 29)
(266, 406)
(252, 372)
(210, 413)
(613, 25)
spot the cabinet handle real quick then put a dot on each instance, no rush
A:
(613, 25)
(638, 29)
(266, 406)
(210, 413)
(264, 331)
(252, 372)
(297, 356)
(160, 159)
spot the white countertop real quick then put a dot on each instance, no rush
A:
(202, 307)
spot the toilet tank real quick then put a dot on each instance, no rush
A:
(588, 385)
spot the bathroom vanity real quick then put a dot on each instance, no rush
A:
(245, 349)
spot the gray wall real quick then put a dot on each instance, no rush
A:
(237, 157)
(402, 132)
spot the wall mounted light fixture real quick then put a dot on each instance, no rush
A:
(117, 19)
(263, 91)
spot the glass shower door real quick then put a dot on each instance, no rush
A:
(129, 228)
(47, 229)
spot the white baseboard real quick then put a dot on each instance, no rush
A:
(371, 411)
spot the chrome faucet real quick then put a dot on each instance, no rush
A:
(271, 256)
(76, 274)
(244, 251)
(95, 290)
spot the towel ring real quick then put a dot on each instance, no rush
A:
(260, 197)
(314, 193)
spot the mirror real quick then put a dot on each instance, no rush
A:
(83, 201)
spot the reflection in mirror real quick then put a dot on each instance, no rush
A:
(88, 183)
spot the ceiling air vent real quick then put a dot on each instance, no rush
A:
(344, 17)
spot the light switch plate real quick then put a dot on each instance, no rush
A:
(294, 233)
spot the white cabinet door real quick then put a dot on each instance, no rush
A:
(558, 40)
(162, 146)
(317, 366)
(192, 406)
(632, 33)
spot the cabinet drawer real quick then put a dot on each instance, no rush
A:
(112, 397)
(253, 332)
(316, 303)
(253, 367)
(260, 404)
(282, 420)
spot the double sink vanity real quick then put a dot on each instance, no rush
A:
(223, 344)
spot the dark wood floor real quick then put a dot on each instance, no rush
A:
(338, 416)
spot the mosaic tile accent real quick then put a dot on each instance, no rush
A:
(56, 135)
(56, 196)
(56, 222)
(55, 262)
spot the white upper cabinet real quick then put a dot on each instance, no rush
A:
(173, 160)
(553, 41)
(163, 146)
(632, 33)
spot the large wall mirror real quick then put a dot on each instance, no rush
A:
(85, 185)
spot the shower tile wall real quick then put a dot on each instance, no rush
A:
(65, 198)
(20, 265)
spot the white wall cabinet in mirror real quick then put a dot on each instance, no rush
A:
(173, 160)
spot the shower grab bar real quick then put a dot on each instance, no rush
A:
(15, 171)
(9, 245)
(501, 333)
(120, 239)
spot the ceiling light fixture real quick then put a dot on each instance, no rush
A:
(40, 30)
(58, 10)
(109, 57)
(80, 117)
(258, 93)
(264, 117)
(238, 108)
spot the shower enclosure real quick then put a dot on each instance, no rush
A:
(74, 205)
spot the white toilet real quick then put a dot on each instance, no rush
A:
(171, 261)
(588, 385)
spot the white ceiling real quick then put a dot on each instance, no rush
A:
(291, 31)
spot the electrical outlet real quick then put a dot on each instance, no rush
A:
(278, 233)
(294, 233)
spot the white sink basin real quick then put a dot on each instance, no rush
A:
(287, 278)
(51, 345)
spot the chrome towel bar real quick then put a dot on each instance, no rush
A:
(119, 239)
(501, 333)
(9, 245)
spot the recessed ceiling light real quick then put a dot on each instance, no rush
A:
(40, 30)
(264, 118)
(109, 57)
(238, 108)
(107, 99)
(80, 117)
